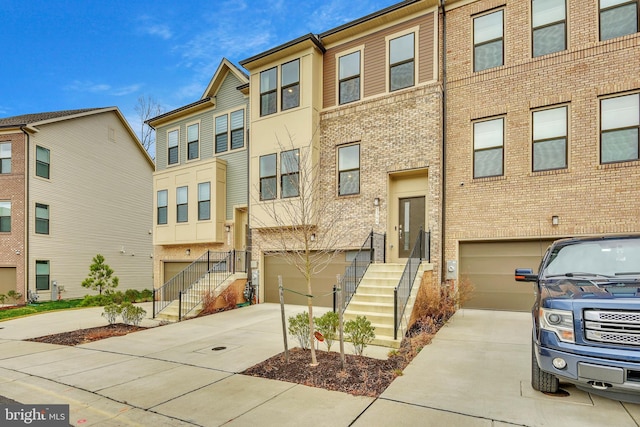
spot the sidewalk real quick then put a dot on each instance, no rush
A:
(475, 373)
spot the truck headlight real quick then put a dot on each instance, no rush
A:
(558, 321)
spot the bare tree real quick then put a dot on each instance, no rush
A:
(147, 108)
(304, 226)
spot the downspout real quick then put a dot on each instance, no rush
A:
(443, 267)
(27, 216)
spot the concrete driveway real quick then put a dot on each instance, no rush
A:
(475, 373)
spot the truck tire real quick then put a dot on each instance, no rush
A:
(540, 380)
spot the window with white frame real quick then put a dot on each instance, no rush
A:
(163, 203)
(193, 135)
(349, 170)
(222, 136)
(182, 204)
(5, 157)
(488, 49)
(549, 22)
(5, 217)
(402, 62)
(488, 148)
(42, 275)
(42, 218)
(618, 18)
(290, 173)
(550, 139)
(204, 201)
(290, 85)
(42, 162)
(268, 91)
(349, 77)
(619, 128)
(237, 129)
(172, 144)
(268, 177)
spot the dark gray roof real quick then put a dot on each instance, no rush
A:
(26, 119)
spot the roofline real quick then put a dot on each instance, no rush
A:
(367, 18)
(225, 63)
(314, 38)
(178, 110)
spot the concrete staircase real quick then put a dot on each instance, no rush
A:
(374, 299)
(194, 296)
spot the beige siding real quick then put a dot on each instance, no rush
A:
(99, 198)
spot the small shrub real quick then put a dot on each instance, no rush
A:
(111, 312)
(208, 302)
(96, 300)
(327, 325)
(299, 328)
(230, 298)
(131, 295)
(100, 277)
(3, 298)
(146, 295)
(14, 296)
(360, 332)
(132, 314)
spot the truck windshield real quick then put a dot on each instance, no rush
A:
(614, 257)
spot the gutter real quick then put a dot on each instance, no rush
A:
(443, 267)
(26, 212)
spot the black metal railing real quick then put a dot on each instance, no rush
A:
(372, 250)
(402, 292)
(210, 270)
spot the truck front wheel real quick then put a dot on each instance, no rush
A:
(540, 380)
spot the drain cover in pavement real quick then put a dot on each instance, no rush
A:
(218, 348)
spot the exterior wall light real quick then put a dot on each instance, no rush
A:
(188, 252)
(227, 228)
(376, 201)
(555, 220)
(313, 237)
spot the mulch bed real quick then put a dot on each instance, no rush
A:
(83, 336)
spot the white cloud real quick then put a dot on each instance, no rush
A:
(159, 30)
(102, 88)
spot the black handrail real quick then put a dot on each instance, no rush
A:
(182, 281)
(372, 250)
(191, 297)
(402, 292)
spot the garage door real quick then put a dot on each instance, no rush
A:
(292, 279)
(490, 267)
(7, 279)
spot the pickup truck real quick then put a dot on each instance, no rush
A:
(586, 316)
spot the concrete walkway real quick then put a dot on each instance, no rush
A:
(475, 373)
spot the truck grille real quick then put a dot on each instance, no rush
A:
(613, 327)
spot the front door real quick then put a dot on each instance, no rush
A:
(411, 222)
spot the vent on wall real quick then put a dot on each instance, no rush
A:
(112, 134)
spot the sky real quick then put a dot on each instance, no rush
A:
(72, 54)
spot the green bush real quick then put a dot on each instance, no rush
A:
(14, 296)
(299, 328)
(132, 314)
(146, 295)
(111, 312)
(3, 298)
(360, 333)
(328, 325)
(131, 295)
(96, 300)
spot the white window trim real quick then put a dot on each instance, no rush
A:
(195, 122)
(337, 57)
(177, 128)
(35, 162)
(244, 135)
(416, 57)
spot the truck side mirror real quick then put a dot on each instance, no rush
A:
(525, 275)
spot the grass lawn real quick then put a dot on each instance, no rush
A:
(8, 313)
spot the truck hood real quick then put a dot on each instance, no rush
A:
(580, 288)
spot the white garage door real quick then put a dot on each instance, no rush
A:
(490, 267)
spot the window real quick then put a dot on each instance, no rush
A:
(487, 41)
(620, 125)
(182, 204)
(268, 181)
(550, 139)
(5, 157)
(42, 275)
(222, 138)
(349, 75)
(268, 83)
(172, 138)
(618, 18)
(488, 142)
(163, 203)
(42, 162)
(549, 26)
(401, 62)
(5, 217)
(204, 201)
(42, 219)
(290, 173)
(237, 129)
(349, 170)
(192, 141)
(290, 84)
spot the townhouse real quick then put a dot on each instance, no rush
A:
(72, 184)
(200, 184)
(542, 120)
